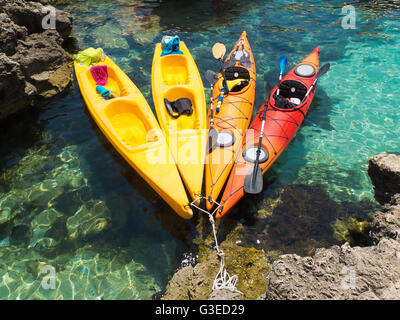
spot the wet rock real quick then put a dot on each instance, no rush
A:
(353, 230)
(384, 171)
(225, 294)
(33, 62)
(10, 34)
(196, 282)
(386, 222)
(30, 15)
(15, 92)
(193, 283)
(339, 273)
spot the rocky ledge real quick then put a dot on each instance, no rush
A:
(33, 61)
(338, 272)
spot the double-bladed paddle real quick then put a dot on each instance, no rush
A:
(324, 69)
(219, 51)
(282, 63)
(253, 183)
(211, 77)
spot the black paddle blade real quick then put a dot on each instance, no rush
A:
(253, 183)
(212, 139)
(211, 77)
(324, 69)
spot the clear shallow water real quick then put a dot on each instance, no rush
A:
(67, 199)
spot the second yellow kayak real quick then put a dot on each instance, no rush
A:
(177, 87)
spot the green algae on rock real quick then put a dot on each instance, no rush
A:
(354, 231)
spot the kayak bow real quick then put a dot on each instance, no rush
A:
(284, 115)
(233, 118)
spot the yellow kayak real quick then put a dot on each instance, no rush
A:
(129, 124)
(177, 87)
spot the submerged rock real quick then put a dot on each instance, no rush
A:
(90, 219)
(346, 272)
(33, 62)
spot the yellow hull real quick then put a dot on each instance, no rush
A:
(129, 124)
(174, 77)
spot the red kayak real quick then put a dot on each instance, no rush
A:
(284, 115)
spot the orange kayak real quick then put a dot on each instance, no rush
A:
(233, 117)
(281, 125)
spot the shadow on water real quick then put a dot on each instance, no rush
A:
(196, 16)
(19, 133)
(298, 219)
(155, 209)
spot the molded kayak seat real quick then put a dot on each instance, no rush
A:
(237, 78)
(290, 90)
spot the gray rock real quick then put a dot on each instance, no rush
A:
(32, 60)
(386, 223)
(339, 273)
(225, 294)
(384, 171)
(10, 33)
(30, 14)
(15, 91)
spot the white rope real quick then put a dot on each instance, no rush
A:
(222, 280)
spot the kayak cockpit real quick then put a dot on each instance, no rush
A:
(291, 93)
(174, 70)
(114, 84)
(129, 122)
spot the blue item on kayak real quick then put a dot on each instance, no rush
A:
(104, 92)
(171, 47)
(221, 98)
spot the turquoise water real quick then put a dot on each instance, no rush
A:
(68, 200)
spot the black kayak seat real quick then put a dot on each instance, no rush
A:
(289, 89)
(235, 73)
(179, 107)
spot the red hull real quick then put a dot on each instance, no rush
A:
(281, 126)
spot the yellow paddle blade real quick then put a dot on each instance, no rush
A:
(218, 50)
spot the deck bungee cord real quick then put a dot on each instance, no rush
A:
(234, 92)
(275, 125)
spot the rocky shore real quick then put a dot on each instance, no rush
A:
(336, 272)
(34, 63)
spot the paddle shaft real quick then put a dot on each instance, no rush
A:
(258, 152)
(223, 75)
(279, 84)
(212, 107)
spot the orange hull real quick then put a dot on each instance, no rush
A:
(280, 128)
(234, 116)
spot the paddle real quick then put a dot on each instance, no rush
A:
(211, 77)
(282, 63)
(219, 51)
(253, 182)
(324, 69)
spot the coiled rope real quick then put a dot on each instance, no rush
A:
(222, 280)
